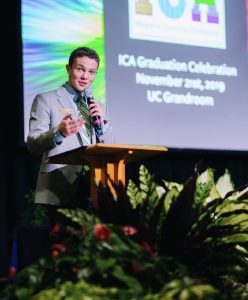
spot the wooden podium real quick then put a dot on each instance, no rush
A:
(105, 161)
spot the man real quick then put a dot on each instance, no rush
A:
(58, 124)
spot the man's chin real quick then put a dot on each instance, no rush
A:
(80, 89)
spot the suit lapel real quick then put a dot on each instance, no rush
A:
(65, 100)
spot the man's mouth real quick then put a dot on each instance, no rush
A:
(82, 83)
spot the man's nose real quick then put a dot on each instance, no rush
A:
(85, 75)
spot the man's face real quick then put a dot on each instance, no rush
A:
(82, 73)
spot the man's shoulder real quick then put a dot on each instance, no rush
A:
(52, 93)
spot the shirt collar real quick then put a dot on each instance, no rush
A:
(72, 92)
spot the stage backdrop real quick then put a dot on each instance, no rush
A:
(173, 72)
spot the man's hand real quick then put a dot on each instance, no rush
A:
(70, 126)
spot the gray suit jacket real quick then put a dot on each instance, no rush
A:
(57, 184)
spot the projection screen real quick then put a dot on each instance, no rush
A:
(173, 72)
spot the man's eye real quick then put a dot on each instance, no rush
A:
(92, 73)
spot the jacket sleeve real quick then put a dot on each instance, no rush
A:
(107, 137)
(41, 135)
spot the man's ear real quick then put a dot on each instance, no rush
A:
(68, 68)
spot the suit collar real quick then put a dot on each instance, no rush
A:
(65, 99)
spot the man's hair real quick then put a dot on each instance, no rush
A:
(84, 51)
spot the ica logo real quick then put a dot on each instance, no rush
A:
(175, 9)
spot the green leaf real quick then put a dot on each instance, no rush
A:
(104, 264)
(129, 281)
(234, 219)
(173, 185)
(204, 291)
(79, 216)
(238, 195)
(231, 206)
(224, 184)
(134, 194)
(184, 295)
(148, 190)
(204, 184)
(213, 195)
(170, 197)
(234, 239)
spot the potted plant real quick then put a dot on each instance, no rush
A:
(169, 241)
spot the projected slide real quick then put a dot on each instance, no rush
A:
(196, 22)
(173, 72)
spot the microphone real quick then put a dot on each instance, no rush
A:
(96, 119)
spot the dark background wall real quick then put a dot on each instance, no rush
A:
(18, 169)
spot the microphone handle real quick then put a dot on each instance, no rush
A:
(96, 119)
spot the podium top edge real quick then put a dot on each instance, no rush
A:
(127, 147)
